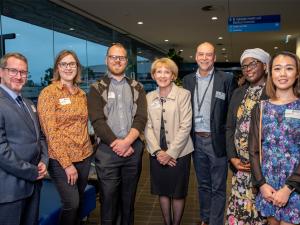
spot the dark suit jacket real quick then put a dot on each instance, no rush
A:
(22, 147)
(224, 83)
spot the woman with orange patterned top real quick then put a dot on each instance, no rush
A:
(62, 109)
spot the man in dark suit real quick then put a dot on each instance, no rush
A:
(23, 151)
(211, 91)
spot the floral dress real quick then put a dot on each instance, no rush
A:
(241, 208)
(280, 156)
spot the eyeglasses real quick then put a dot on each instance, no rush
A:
(250, 66)
(65, 65)
(14, 72)
(117, 57)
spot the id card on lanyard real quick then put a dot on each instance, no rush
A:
(199, 118)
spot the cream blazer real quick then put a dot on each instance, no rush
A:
(178, 122)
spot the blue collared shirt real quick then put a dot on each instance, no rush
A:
(11, 93)
(204, 112)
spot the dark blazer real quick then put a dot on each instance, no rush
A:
(235, 102)
(22, 147)
(224, 83)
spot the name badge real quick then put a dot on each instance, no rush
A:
(290, 113)
(220, 95)
(33, 108)
(111, 95)
(64, 101)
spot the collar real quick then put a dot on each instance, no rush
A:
(198, 75)
(171, 95)
(61, 86)
(10, 92)
(111, 76)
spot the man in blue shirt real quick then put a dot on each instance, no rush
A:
(211, 92)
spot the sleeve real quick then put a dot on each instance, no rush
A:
(253, 146)
(183, 133)
(47, 116)
(151, 142)
(231, 85)
(140, 118)
(44, 149)
(96, 115)
(10, 162)
(294, 180)
(230, 129)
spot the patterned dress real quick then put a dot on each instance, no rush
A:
(241, 209)
(281, 156)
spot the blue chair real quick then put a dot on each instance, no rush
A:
(50, 203)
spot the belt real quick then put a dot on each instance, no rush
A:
(203, 134)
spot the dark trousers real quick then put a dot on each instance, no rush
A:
(118, 178)
(71, 195)
(211, 174)
(22, 212)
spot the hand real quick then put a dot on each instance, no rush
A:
(281, 197)
(163, 158)
(120, 146)
(267, 192)
(42, 170)
(72, 174)
(239, 165)
(172, 162)
(128, 152)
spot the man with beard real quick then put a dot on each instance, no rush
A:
(118, 112)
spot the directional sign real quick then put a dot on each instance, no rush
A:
(254, 23)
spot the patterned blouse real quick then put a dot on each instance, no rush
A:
(64, 120)
(251, 98)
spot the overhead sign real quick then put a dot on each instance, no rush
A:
(254, 23)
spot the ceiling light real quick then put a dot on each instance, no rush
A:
(227, 60)
(275, 47)
(223, 49)
(140, 23)
(220, 38)
(191, 56)
(214, 18)
(181, 50)
(71, 28)
(166, 40)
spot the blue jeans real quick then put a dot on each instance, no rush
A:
(211, 174)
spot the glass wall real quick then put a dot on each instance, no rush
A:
(41, 29)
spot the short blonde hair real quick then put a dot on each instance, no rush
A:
(270, 86)
(17, 55)
(166, 62)
(59, 57)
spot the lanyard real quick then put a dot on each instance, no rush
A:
(200, 103)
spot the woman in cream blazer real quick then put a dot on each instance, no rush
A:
(168, 140)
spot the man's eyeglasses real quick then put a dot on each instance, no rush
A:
(117, 57)
(14, 72)
(250, 66)
(65, 65)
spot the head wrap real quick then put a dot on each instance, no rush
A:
(256, 53)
